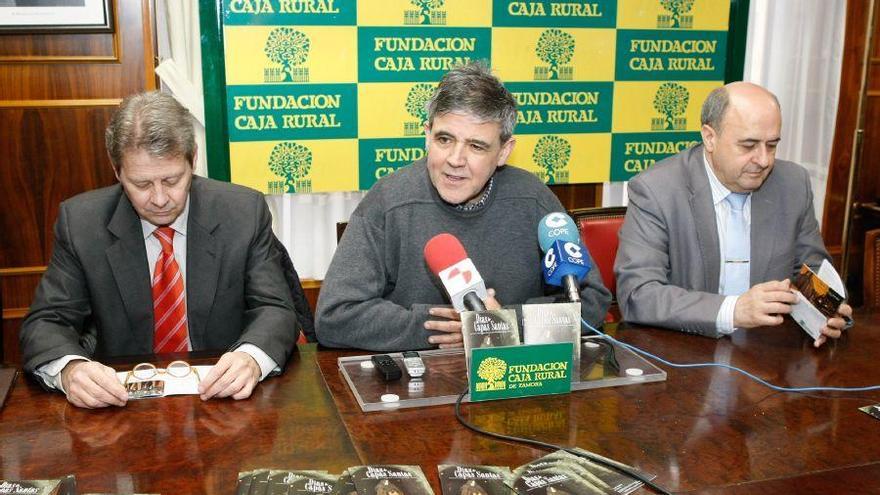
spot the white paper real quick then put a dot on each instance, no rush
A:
(807, 316)
(829, 275)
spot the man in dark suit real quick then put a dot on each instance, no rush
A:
(713, 234)
(161, 262)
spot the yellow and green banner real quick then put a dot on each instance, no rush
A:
(329, 95)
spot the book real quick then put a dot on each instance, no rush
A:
(489, 328)
(561, 471)
(62, 486)
(245, 478)
(552, 323)
(344, 484)
(259, 482)
(390, 480)
(819, 296)
(458, 479)
(284, 482)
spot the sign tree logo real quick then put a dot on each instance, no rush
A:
(289, 48)
(416, 101)
(428, 13)
(292, 162)
(671, 101)
(555, 48)
(552, 154)
(678, 16)
(492, 370)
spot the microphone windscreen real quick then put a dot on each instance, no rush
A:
(557, 226)
(443, 251)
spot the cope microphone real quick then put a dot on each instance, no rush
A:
(448, 260)
(566, 262)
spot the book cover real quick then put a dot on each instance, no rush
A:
(475, 480)
(63, 486)
(551, 323)
(576, 470)
(344, 484)
(819, 295)
(390, 480)
(259, 482)
(245, 478)
(490, 328)
(301, 482)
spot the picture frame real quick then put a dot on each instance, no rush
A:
(56, 16)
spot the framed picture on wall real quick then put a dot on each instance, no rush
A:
(56, 16)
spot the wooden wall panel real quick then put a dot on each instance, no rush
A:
(54, 153)
(34, 46)
(79, 66)
(578, 195)
(867, 188)
(57, 93)
(854, 45)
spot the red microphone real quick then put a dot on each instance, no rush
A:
(448, 260)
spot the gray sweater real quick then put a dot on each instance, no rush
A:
(378, 290)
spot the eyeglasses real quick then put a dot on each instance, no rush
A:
(176, 369)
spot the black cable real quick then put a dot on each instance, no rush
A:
(580, 453)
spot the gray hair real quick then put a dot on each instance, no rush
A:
(472, 89)
(154, 122)
(715, 106)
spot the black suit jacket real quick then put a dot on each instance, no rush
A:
(98, 280)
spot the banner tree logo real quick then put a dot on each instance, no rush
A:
(555, 48)
(552, 154)
(677, 17)
(416, 100)
(289, 48)
(671, 100)
(292, 162)
(428, 12)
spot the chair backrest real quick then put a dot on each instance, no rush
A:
(340, 229)
(871, 280)
(303, 311)
(599, 228)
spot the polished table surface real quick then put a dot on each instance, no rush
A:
(701, 430)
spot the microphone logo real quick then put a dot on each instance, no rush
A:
(556, 220)
(573, 250)
(467, 275)
(550, 258)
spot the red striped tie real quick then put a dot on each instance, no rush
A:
(169, 298)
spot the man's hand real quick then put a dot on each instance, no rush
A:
(92, 385)
(235, 375)
(450, 324)
(764, 304)
(835, 325)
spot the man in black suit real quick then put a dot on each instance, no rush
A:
(161, 262)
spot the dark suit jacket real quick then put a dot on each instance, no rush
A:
(669, 260)
(98, 279)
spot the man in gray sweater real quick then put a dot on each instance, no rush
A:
(379, 293)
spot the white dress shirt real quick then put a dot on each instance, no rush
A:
(724, 320)
(50, 372)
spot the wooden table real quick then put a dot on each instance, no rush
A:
(702, 430)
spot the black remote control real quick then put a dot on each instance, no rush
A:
(387, 368)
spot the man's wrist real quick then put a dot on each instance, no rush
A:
(66, 371)
(265, 364)
(725, 321)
